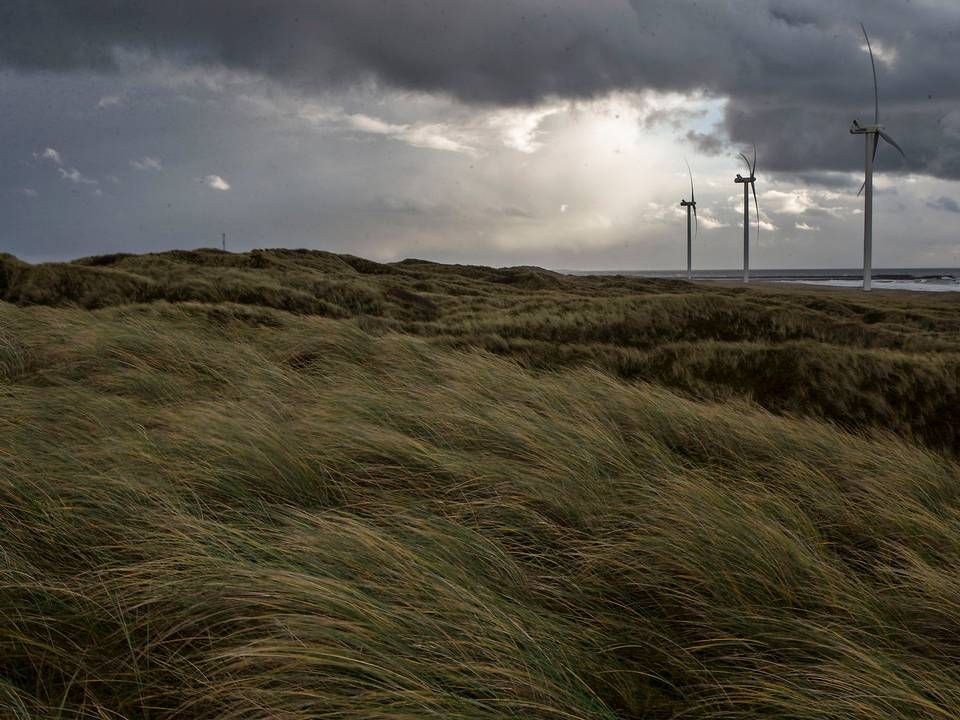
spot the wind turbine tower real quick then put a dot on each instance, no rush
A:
(872, 134)
(749, 183)
(692, 205)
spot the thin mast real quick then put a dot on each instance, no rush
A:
(746, 232)
(871, 139)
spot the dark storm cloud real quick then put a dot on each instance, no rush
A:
(793, 69)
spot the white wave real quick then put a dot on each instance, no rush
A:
(941, 285)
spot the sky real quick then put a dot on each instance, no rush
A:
(496, 132)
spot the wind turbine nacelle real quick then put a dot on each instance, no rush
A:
(858, 129)
(684, 203)
(740, 179)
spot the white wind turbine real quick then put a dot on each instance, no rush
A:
(872, 134)
(690, 205)
(748, 183)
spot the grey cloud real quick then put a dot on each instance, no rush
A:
(405, 206)
(829, 180)
(946, 204)
(49, 154)
(816, 212)
(793, 69)
(512, 211)
(411, 207)
(707, 143)
(75, 176)
(676, 118)
(147, 164)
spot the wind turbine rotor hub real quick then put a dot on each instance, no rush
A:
(858, 129)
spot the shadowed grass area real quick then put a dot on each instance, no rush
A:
(886, 361)
(482, 498)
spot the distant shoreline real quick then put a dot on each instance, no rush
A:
(897, 279)
(786, 274)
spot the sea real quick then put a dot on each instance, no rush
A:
(914, 279)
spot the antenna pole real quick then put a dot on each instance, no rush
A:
(871, 138)
(689, 247)
(746, 232)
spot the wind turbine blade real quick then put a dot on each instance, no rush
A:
(892, 142)
(876, 147)
(862, 187)
(753, 168)
(753, 186)
(876, 92)
(690, 172)
(696, 220)
(747, 162)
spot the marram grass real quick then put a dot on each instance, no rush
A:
(218, 509)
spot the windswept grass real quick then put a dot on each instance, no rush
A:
(887, 362)
(458, 503)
